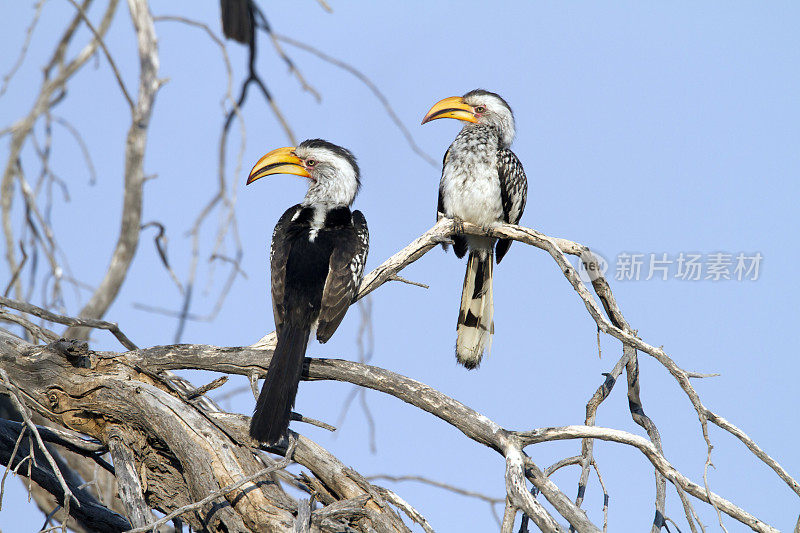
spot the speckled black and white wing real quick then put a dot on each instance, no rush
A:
(346, 269)
(278, 256)
(440, 203)
(513, 192)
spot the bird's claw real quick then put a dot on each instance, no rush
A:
(458, 226)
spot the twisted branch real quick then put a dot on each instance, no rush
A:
(254, 360)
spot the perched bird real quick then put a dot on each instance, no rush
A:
(319, 248)
(483, 183)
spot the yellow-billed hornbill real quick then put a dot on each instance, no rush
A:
(483, 183)
(319, 248)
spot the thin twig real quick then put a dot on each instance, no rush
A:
(135, 146)
(200, 391)
(408, 281)
(111, 62)
(160, 241)
(16, 398)
(38, 332)
(372, 87)
(17, 270)
(221, 194)
(438, 484)
(69, 321)
(605, 496)
(81, 144)
(262, 22)
(24, 50)
(10, 462)
(406, 507)
(558, 465)
(311, 421)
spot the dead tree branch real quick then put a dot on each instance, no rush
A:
(110, 59)
(141, 112)
(22, 130)
(129, 485)
(557, 248)
(366, 81)
(132, 404)
(67, 320)
(175, 451)
(180, 453)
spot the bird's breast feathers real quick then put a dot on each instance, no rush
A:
(470, 182)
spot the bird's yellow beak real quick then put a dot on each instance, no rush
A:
(452, 107)
(279, 161)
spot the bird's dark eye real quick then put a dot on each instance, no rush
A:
(311, 162)
(480, 108)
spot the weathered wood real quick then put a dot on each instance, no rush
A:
(179, 453)
(302, 523)
(185, 455)
(188, 452)
(130, 488)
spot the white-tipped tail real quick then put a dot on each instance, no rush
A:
(475, 318)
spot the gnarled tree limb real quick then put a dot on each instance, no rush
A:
(110, 391)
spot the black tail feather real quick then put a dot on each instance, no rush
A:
(274, 405)
(502, 247)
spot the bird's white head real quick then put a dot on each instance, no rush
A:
(478, 107)
(332, 171)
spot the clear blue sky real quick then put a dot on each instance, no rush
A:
(643, 128)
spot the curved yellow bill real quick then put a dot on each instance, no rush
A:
(279, 161)
(452, 107)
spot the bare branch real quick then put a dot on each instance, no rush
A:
(406, 507)
(561, 463)
(372, 87)
(408, 281)
(605, 496)
(160, 241)
(130, 488)
(439, 484)
(70, 440)
(261, 21)
(142, 367)
(654, 456)
(18, 269)
(81, 144)
(325, 5)
(10, 462)
(37, 332)
(69, 321)
(509, 515)
(200, 391)
(223, 50)
(24, 50)
(221, 195)
(91, 514)
(128, 239)
(15, 394)
(557, 249)
(22, 129)
(311, 421)
(105, 51)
